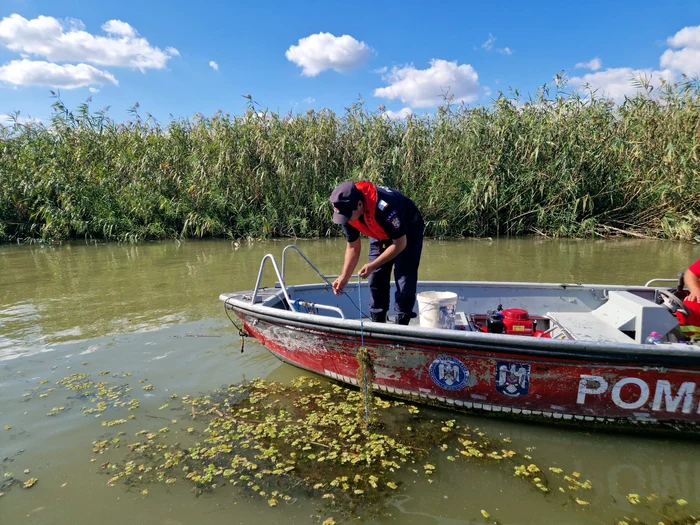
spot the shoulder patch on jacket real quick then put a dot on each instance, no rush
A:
(382, 204)
(394, 220)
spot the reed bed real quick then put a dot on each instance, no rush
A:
(566, 165)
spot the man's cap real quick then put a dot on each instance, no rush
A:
(344, 199)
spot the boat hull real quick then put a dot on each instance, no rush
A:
(513, 382)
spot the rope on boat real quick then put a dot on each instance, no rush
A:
(365, 369)
(353, 303)
(242, 332)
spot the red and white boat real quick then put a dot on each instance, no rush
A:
(583, 358)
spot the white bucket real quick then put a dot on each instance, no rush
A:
(437, 309)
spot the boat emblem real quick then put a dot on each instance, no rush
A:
(449, 373)
(512, 379)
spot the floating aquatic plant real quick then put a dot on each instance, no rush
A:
(30, 483)
(307, 440)
(653, 510)
(283, 442)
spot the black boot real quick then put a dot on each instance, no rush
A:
(403, 319)
(378, 317)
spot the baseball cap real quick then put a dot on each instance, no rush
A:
(344, 199)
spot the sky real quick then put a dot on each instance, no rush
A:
(176, 59)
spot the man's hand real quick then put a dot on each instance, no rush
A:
(693, 298)
(366, 270)
(339, 285)
(352, 255)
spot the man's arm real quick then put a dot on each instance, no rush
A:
(692, 282)
(387, 255)
(352, 256)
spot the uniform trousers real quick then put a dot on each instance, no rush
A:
(405, 267)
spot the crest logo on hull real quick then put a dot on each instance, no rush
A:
(449, 373)
(512, 379)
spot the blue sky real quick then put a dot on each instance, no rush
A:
(179, 58)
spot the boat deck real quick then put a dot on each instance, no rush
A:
(585, 326)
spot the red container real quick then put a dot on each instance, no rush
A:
(516, 321)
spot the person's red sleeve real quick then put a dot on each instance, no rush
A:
(695, 268)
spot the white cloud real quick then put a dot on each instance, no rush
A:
(595, 64)
(687, 59)
(616, 83)
(66, 76)
(8, 120)
(488, 46)
(94, 90)
(214, 65)
(322, 51)
(118, 28)
(426, 87)
(46, 37)
(309, 100)
(396, 115)
(74, 24)
(686, 37)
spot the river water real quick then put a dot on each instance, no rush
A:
(152, 311)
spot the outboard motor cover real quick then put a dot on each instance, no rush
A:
(516, 321)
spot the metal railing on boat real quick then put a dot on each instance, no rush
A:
(661, 281)
(283, 286)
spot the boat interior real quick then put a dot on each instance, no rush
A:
(609, 314)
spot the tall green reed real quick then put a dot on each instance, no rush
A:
(561, 165)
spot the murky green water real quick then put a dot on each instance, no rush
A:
(153, 311)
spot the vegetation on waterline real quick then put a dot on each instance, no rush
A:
(560, 165)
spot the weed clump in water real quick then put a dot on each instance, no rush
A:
(283, 442)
